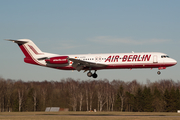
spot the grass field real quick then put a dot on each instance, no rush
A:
(89, 116)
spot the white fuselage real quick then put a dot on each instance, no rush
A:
(122, 60)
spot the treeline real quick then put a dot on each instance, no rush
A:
(79, 95)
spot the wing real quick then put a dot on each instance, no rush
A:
(80, 64)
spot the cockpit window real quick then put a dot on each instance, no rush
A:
(164, 56)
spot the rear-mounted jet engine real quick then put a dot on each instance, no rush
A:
(58, 60)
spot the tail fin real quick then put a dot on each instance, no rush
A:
(30, 50)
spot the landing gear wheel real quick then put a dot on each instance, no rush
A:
(89, 74)
(94, 75)
(158, 72)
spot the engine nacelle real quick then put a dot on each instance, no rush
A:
(58, 60)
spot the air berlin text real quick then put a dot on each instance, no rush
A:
(128, 58)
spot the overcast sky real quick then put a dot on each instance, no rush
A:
(89, 26)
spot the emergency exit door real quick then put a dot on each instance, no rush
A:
(155, 60)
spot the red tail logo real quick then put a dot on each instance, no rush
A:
(34, 50)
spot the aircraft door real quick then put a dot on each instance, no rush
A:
(155, 60)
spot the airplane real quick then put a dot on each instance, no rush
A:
(89, 62)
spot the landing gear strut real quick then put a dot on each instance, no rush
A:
(94, 75)
(158, 72)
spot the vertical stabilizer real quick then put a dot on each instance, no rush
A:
(30, 50)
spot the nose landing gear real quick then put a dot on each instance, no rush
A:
(158, 72)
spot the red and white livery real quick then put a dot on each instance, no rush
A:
(89, 62)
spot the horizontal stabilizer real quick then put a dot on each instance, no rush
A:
(18, 41)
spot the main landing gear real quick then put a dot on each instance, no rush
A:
(94, 75)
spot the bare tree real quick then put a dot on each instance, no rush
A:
(86, 87)
(121, 95)
(92, 85)
(73, 87)
(44, 93)
(80, 94)
(9, 93)
(165, 84)
(35, 87)
(21, 87)
(101, 93)
(2, 94)
(111, 96)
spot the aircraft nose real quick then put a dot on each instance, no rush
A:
(175, 62)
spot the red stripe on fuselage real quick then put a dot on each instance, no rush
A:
(122, 66)
(140, 65)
